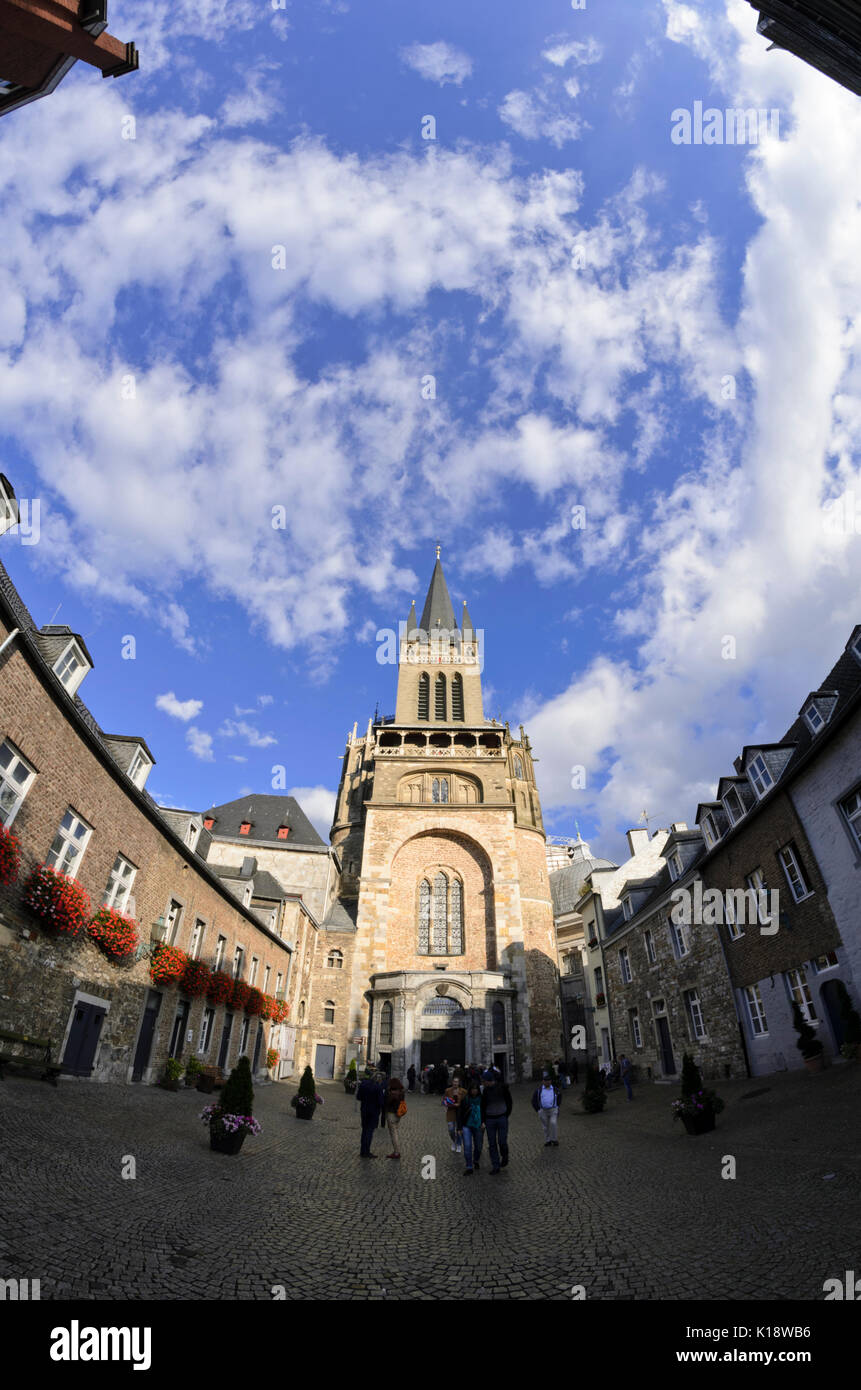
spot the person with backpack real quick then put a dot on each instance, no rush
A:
(396, 1108)
(470, 1125)
(496, 1106)
(546, 1099)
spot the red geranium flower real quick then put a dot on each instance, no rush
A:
(60, 902)
(10, 855)
(117, 935)
(220, 987)
(195, 979)
(167, 964)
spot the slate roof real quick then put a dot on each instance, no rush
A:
(566, 884)
(265, 814)
(438, 611)
(341, 916)
(267, 886)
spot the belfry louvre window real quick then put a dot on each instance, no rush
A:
(439, 699)
(457, 696)
(440, 910)
(424, 695)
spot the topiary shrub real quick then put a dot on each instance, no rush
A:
(237, 1093)
(808, 1044)
(594, 1098)
(851, 1021)
(692, 1082)
(307, 1089)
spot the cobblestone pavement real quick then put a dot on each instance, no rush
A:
(628, 1205)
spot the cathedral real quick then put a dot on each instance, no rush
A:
(439, 944)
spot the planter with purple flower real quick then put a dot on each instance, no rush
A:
(306, 1100)
(698, 1105)
(231, 1119)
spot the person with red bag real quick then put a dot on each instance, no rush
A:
(396, 1108)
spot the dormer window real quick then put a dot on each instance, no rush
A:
(208, 822)
(708, 826)
(734, 806)
(627, 909)
(283, 832)
(760, 776)
(674, 861)
(139, 767)
(71, 667)
(245, 827)
(856, 647)
(192, 835)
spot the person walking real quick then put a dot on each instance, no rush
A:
(625, 1070)
(546, 1099)
(496, 1106)
(411, 1077)
(396, 1108)
(372, 1100)
(470, 1125)
(452, 1097)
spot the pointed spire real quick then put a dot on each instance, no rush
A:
(412, 620)
(438, 612)
(466, 625)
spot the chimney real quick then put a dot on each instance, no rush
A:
(637, 840)
(678, 825)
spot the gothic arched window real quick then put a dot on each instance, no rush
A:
(424, 695)
(498, 1019)
(329, 1011)
(424, 917)
(457, 696)
(335, 960)
(440, 702)
(518, 766)
(386, 1022)
(440, 908)
(302, 1011)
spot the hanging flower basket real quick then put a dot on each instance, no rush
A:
(269, 1003)
(220, 988)
(167, 966)
(240, 993)
(195, 979)
(115, 934)
(272, 1055)
(254, 1004)
(10, 855)
(280, 1011)
(59, 902)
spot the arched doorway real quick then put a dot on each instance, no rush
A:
(443, 1031)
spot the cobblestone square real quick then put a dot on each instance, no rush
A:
(627, 1206)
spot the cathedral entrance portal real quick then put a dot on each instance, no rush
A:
(443, 1044)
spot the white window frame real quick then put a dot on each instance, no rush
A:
(119, 887)
(695, 1015)
(266, 974)
(244, 1029)
(830, 965)
(74, 652)
(220, 949)
(708, 825)
(70, 839)
(627, 909)
(17, 791)
(758, 774)
(852, 815)
(173, 921)
(207, 1027)
(788, 853)
(674, 861)
(198, 932)
(799, 991)
(140, 763)
(625, 966)
(252, 975)
(815, 721)
(679, 940)
(756, 882)
(649, 943)
(734, 931)
(279, 985)
(192, 835)
(742, 811)
(238, 962)
(856, 647)
(636, 1033)
(755, 1011)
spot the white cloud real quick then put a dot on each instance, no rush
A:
(583, 52)
(534, 116)
(200, 744)
(237, 758)
(259, 99)
(438, 62)
(232, 728)
(179, 709)
(318, 803)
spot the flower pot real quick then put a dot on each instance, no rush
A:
(814, 1063)
(170, 1085)
(226, 1143)
(305, 1112)
(206, 1083)
(700, 1123)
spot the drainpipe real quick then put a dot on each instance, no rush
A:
(11, 638)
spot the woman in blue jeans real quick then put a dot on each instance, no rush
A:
(469, 1122)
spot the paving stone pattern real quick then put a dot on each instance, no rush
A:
(628, 1205)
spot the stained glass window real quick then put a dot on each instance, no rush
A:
(424, 918)
(456, 918)
(439, 941)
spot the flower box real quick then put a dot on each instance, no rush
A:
(270, 1004)
(10, 855)
(220, 988)
(255, 1002)
(280, 1011)
(59, 902)
(115, 934)
(195, 978)
(239, 994)
(600, 1000)
(167, 965)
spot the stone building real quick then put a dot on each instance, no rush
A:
(443, 914)
(40, 43)
(567, 883)
(75, 797)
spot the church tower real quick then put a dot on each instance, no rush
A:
(443, 884)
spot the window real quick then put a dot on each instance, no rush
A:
(850, 808)
(695, 1015)
(734, 805)
(674, 861)
(627, 909)
(206, 1030)
(856, 647)
(649, 943)
(386, 1023)
(755, 1011)
(708, 825)
(71, 667)
(756, 882)
(799, 991)
(599, 982)
(335, 960)
(734, 931)
(457, 696)
(119, 884)
(208, 822)
(814, 718)
(245, 827)
(788, 857)
(424, 696)
(518, 766)
(220, 948)
(439, 697)
(279, 985)
(192, 835)
(196, 938)
(139, 767)
(569, 963)
(826, 962)
(69, 844)
(237, 963)
(243, 1035)
(625, 966)
(498, 1021)
(329, 1011)
(266, 975)
(760, 775)
(16, 778)
(634, 1027)
(255, 965)
(440, 916)
(439, 790)
(283, 832)
(301, 1010)
(172, 920)
(679, 939)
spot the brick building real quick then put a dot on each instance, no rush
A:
(567, 886)
(442, 913)
(40, 40)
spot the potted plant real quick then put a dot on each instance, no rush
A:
(220, 987)
(195, 978)
(231, 1119)
(207, 1079)
(239, 994)
(10, 855)
(59, 902)
(173, 1070)
(698, 1105)
(600, 1000)
(351, 1080)
(115, 934)
(255, 1003)
(594, 1096)
(272, 1056)
(851, 1024)
(306, 1100)
(280, 1011)
(193, 1069)
(808, 1044)
(167, 964)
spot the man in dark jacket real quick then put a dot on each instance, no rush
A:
(372, 1100)
(411, 1077)
(496, 1106)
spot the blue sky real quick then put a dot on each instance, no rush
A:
(580, 288)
